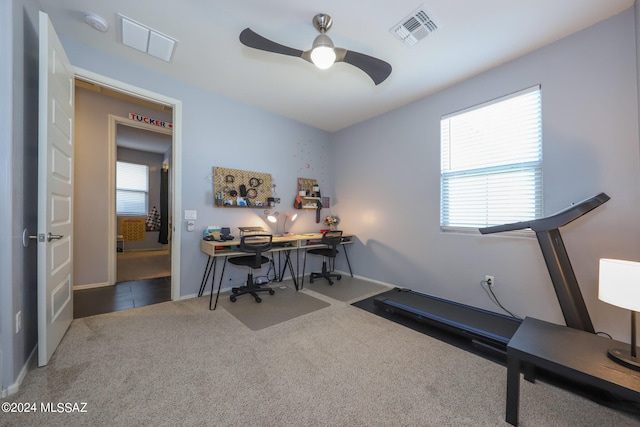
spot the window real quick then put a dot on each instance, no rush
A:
(132, 188)
(491, 164)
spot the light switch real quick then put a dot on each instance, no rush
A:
(190, 214)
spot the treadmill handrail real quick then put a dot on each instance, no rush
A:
(554, 221)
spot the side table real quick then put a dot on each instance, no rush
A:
(574, 354)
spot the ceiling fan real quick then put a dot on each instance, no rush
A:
(323, 54)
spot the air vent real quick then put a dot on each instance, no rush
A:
(414, 27)
(145, 39)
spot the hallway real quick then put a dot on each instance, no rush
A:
(122, 296)
(143, 278)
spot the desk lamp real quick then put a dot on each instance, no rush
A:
(292, 217)
(272, 217)
(619, 285)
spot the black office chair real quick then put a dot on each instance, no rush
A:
(332, 239)
(255, 244)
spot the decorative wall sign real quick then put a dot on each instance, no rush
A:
(150, 121)
(240, 188)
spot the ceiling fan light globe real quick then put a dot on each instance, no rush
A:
(323, 57)
(322, 54)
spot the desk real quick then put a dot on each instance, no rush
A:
(279, 244)
(574, 354)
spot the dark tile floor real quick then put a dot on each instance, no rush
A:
(121, 296)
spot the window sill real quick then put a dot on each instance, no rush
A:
(474, 231)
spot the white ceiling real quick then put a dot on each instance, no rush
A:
(474, 36)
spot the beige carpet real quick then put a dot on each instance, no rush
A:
(137, 265)
(284, 305)
(180, 364)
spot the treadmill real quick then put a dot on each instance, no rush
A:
(555, 255)
(494, 330)
(486, 330)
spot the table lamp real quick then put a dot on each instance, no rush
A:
(272, 217)
(619, 285)
(292, 217)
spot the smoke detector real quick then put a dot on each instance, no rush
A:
(414, 27)
(97, 22)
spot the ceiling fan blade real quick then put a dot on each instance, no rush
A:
(376, 68)
(251, 39)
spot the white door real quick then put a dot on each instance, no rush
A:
(55, 191)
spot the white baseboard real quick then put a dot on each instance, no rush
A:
(90, 286)
(206, 293)
(13, 388)
(366, 279)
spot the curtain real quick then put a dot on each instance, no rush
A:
(163, 236)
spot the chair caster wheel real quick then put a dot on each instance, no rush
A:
(272, 292)
(339, 277)
(330, 282)
(233, 298)
(258, 299)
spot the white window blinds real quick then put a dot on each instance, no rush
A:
(132, 187)
(491, 165)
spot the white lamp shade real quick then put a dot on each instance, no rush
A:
(619, 283)
(323, 56)
(292, 216)
(271, 216)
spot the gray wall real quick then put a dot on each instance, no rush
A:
(18, 184)
(6, 179)
(590, 143)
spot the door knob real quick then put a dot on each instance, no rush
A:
(51, 237)
(26, 237)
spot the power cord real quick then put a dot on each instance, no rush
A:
(605, 334)
(488, 288)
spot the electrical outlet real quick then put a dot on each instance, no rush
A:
(490, 280)
(18, 321)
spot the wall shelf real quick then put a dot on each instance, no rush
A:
(310, 201)
(228, 184)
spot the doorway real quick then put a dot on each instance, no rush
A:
(143, 256)
(168, 255)
(143, 194)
